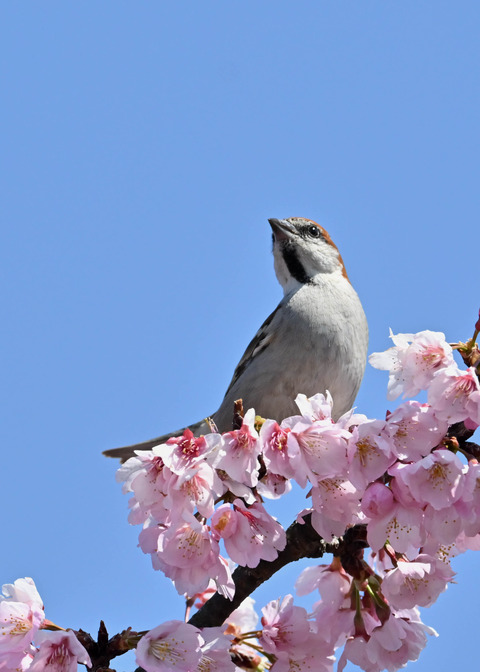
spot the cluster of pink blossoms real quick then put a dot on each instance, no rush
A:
(419, 501)
(413, 493)
(24, 645)
(176, 487)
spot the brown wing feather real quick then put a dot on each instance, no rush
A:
(258, 343)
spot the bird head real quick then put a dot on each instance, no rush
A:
(302, 250)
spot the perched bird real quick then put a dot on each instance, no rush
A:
(315, 339)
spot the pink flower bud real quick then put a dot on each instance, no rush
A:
(377, 501)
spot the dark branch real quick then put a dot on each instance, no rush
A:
(103, 650)
(459, 432)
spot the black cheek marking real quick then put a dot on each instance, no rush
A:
(294, 265)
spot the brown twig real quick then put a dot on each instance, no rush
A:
(461, 433)
(238, 413)
(103, 650)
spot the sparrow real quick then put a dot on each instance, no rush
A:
(315, 340)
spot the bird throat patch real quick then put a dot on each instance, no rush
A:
(294, 264)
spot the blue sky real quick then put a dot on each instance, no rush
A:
(144, 146)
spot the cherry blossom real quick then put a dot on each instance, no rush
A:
(318, 407)
(17, 661)
(174, 645)
(462, 543)
(215, 652)
(190, 556)
(402, 526)
(313, 657)
(391, 646)
(145, 476)
(285, 626)
(21, 615)
(415, 430)
(450, 393)
(378, 501)
(59, 652)
(444, 525)
(183, 451)
(335, 623)
(240, 450)
(416, 583)
(281, 451)
(141, 463)
(323, 450)
(370, 452)
(250, 534)
(22, 590)
(331, 581)
(335, 506)
(196, 488)
(236, 488)
(273, 486)
(413, 361)
(436, 479)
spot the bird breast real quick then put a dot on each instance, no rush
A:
(318, 342)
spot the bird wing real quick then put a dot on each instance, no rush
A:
(262, 338)
(259, 342)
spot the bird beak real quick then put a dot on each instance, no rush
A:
(282, 230)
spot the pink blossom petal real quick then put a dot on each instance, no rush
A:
(174, 645)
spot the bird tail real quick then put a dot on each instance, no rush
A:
(125, 452)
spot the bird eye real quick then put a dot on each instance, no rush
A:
(314, 231)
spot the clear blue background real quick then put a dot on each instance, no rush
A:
(144, 145)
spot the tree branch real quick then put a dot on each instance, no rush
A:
(459, 432)
(104, 649)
